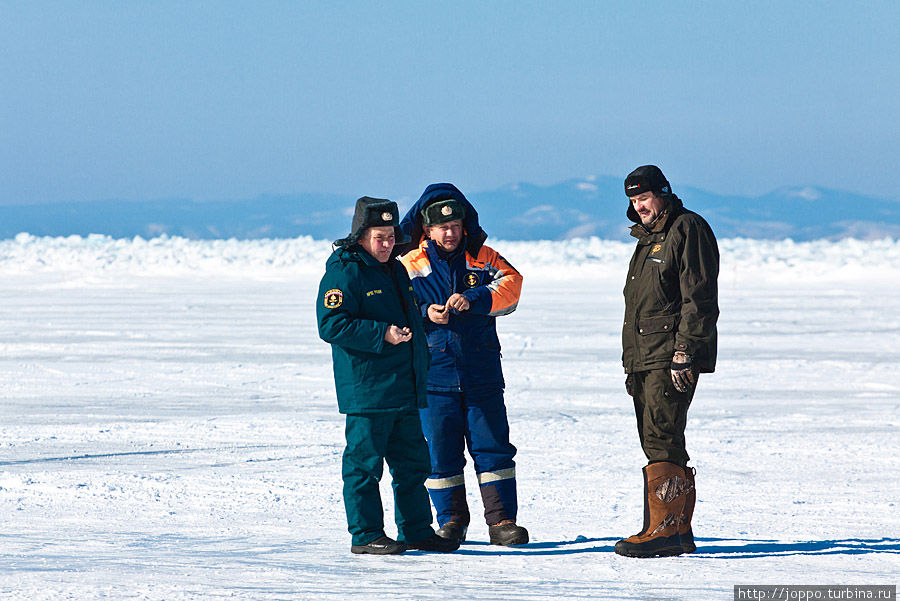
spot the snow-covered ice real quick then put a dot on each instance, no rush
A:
(168, 428)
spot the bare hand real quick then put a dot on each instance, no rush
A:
(396, 335)
(458, 301)
(439, 313)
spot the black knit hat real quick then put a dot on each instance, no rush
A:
(443, 211)
(648, 178)
(373, 212)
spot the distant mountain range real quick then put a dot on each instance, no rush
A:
(571, 209)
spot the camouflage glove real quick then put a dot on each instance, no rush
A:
(682, 372)
(629, 384)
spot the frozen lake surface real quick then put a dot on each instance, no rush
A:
(168, 428)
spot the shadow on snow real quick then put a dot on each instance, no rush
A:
(136, 454)
(848, 546)
(542, 548)
(738, 549)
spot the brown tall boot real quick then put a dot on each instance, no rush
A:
(684, 525)
(663, 504)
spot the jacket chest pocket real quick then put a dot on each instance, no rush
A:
(655, 279)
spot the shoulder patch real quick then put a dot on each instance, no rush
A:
(334, 298)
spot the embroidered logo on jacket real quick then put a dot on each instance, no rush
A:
(334, 298)
(373, 292)
(471, 280)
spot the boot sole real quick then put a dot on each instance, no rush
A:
(512, 544)
(366, 550)
(450, 547)
(667, 547)
(519, 540)
(669, 552)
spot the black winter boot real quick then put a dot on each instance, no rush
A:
(380, 546)
(436, 544)
(507, 534)
(452, 531)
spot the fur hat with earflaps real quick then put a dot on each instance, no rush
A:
(373, 212)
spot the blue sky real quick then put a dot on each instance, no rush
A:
(229, 100)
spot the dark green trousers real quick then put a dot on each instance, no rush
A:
(661, 413)
(395, 437)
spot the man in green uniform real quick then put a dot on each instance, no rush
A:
(668, 338)
(367, 312)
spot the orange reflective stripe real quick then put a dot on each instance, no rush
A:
(416, 263)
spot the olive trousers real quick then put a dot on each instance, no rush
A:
(661, 413)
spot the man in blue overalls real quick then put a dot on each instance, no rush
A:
(461, 286)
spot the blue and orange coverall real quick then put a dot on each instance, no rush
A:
(465, 379)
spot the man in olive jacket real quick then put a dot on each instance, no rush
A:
(367, 312)
(668, 339)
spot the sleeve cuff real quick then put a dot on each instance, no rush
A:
(479, 300)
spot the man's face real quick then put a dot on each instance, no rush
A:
(447, 235)
(648, 206)
(378, 242)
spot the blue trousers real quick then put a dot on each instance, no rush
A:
(395, 437)
(453, 421)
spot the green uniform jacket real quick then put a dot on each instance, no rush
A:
(359, 298)
(671, 292)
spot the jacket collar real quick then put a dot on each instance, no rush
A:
(673, 206)
(657, 230)
(356, 252)
(436, 251)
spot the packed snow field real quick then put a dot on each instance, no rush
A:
(168, 428)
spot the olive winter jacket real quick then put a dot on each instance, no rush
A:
(671, 292)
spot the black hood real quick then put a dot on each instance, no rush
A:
(412, 225)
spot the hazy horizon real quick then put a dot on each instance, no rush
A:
(140, 101)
